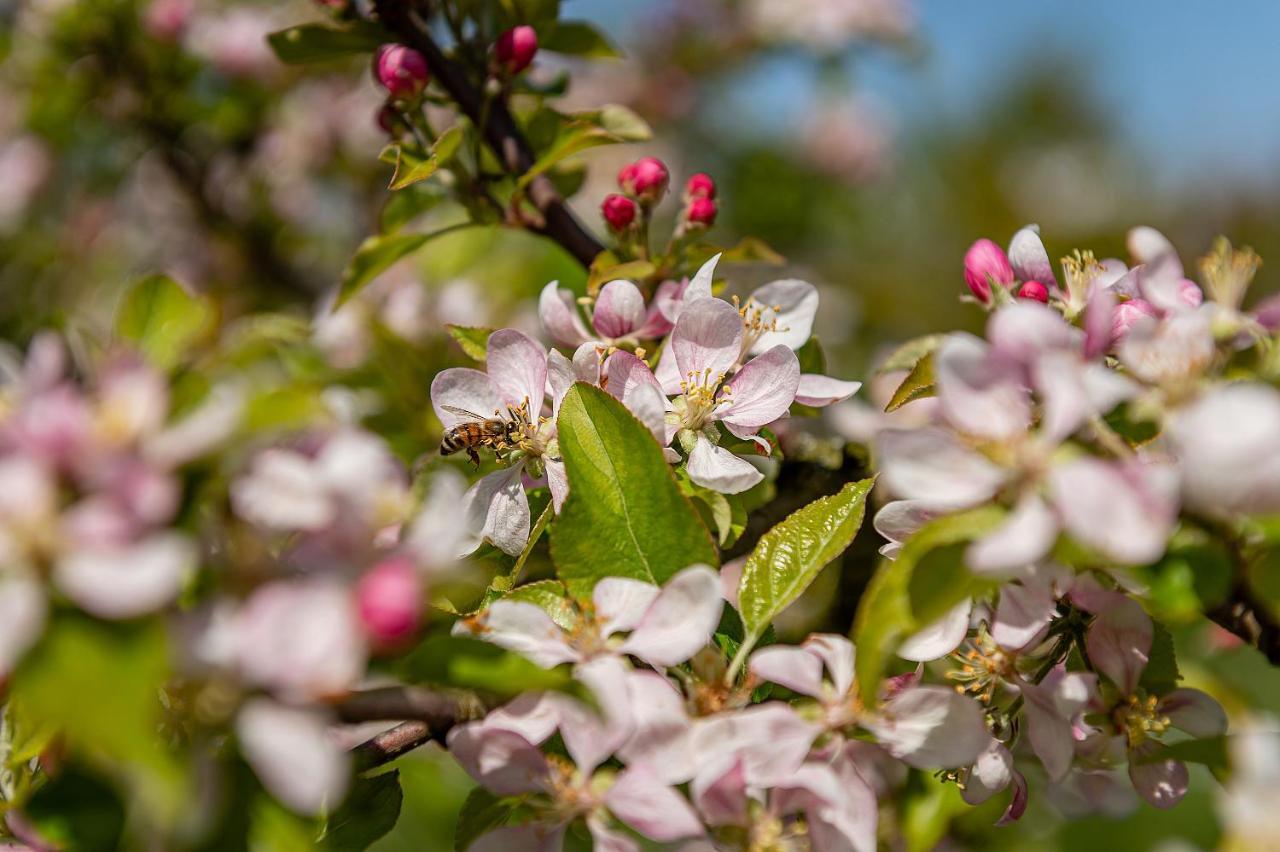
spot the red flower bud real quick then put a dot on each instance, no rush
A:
(701, 211)
(516, 48)
(646, 179)
(700, 186)
(1034, 290)
(401, 70)
(389, 600)
(984, 263)
(619, 211)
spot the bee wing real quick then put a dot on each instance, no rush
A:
(462, 412)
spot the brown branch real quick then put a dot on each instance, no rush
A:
(1248, 618)
(500, 130)
(430, 714)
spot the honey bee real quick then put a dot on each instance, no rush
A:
(478, 431)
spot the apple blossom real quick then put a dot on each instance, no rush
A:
(985, 264)
(401, 70)
(618, 211)
(515, 48)
(646, 179)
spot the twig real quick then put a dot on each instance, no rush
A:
(431, 716)
(1248, 618)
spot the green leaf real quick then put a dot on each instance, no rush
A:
(789, 556)
(465, 663)
(605, 268)
(752, 250)
(1213, 752)
(609, 125)
(579, 38)
(1264, 578)
(374, 256)
(908, 354)
(917, 385)
(473, 340)
(1161, 674)
(886, 613)
(625, 515)
(163, 319)
(370, 811)
(412, 167)
(811, 357)
(483, 812)
(287, 407)
(77, 810)
(940, 580)
(320, 43)
(551, 597)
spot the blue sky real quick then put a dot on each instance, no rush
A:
(1194, 84)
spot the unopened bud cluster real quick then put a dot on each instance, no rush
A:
(644, 183)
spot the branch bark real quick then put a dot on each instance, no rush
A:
(430, 714)
(1246, 617)
(501, 133)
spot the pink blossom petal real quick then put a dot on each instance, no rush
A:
(795, 668)
(681, 619)
(1023, 331)
(763, 389)
(849, 821)
(1171, 350)
(1028, 257)
(632, 382)
(1119, 642)
(1098, 312)
(937, 640)
(1149, 246)
(707, 339)
(1113, 510)
(1024, 538)
(792, 304)
(557, 481)
(771, 739)
(700, 284)
(899, 520)
(991, 773)
(1228, 447)
(501, 761)
(620, 603)
(497, 510)
(721, 793)
(931, 465)
(931, 727)
(667, 372)
(123, 582)
(1162, 783)
(591, 735)
(642, 800)
(525, 629)
(534, 837)
(605, 839)
(837, 653)
(657, 322)
(720, 470)
(559, 314)
(1050, 708)
(560, 377)
(662, 734)
(466, 390)
(1195, 712)
(517, 367)
(1023, 615)
(980, 394)
(291, 751)
(1018, 804)
(619, 310)
(819, 391)
(532, 715)
(23, 610)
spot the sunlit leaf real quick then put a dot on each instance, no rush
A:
(917, 385)
(320, 43)
(163, 320)
(472, 340)
(579, 38)
(908, 354)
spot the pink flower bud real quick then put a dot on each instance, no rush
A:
(985, 263)
(646, 179)
(389, 600)
(701, 211)
(1128, 313)
(516, 48)
(1189, 293)
(1033, 290)
(619, 211)
(401, 70)
(166, 20)
(700, 186)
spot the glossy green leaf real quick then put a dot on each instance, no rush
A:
(917, 385)
(320, 43)
(369, 812)
(412, 167)
(163, 320)
(625, 515)
(579, 38)
(473, 340)
(465, 663)
(908, 354)
(886, 613)
(610, 125)
(789, 556)
(551, 597)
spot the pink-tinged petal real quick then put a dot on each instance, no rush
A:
(632, 382)
(1105, 388)
(1098, 312)
(792, 304)
(557, 481)
(720, 793)
(560, 377)
(23, 610)
(1149, 246)
(707, 339)
(123, 582)
(935, 641)
(980, 394)
(661, 734)
(731, 579)
(645, 802)
(649, 404)
(1023, 615)
(720, 470)
(1112, 509)
(1024, 538)
(291, 751)
(1162, 783)
(501, 761)
(1195, 712)
(849, 822)
(763, 389)
(771, 739)
(533, 837)
(837, 653)
(931, 727)
(517, 367)
(620, 603)
(1228, 448)
(657, 321)
(588, 363)
(559, 314)
(591, 735)
(463, 389)
(605, 839)
(699, 287)
(1051, 706)
(619, 310)
(1028, 257)
(1171, 350)
(819, 391)
(1119, 643)
(666, 372)
(1023, 331)
(523, 628)
(991, 773)
(899, 520)
(795, 668)
(1018, 804)
(681, 619)
(931, 465)
(496, 509)
(533, 715)
(282, 491)
(1086, 793)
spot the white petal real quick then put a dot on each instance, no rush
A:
(497, 509)
(527, 630)
(707, 339)
(23, 611)
(291, 751)
(932, 727)
(720, 470)
(792, 304)
(795, 668)
(930, 464)
(559, 314)
(517, 367)
(1023, 615)
(680, 621)
(819, 391)
(1023, 539)
(464, 389)
(935, 641)
(131, 580)
(620, 603)
(980, 394)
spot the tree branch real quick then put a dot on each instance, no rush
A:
(431, 716)
(1246, 617)
(500, 130)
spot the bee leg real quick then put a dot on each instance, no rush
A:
(474, 456)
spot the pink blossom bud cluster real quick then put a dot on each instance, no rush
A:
(644, 183)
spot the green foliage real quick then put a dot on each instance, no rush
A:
(369, 812)
(625, 515)
(318, 43)
(917, 385)
(78, 810)
(465, 663)
(472, 340)
(483, 812)
(888, 614)
(1161, 674)
(908, 354)
(579, 38)
(1194, 576)
(551, 597)
(374, 256)
(724, 514)
(163, 320)
(412, 167)
(789, 556)
(608, 125)
(1264, 579)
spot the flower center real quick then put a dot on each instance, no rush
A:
(1080, 268)
(702, 394)
(1140, 718)
(757, 320)
(1228, 272)
(984, 665)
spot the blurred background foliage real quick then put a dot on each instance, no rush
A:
(869, 154)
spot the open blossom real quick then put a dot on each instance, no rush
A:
(619, 315)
